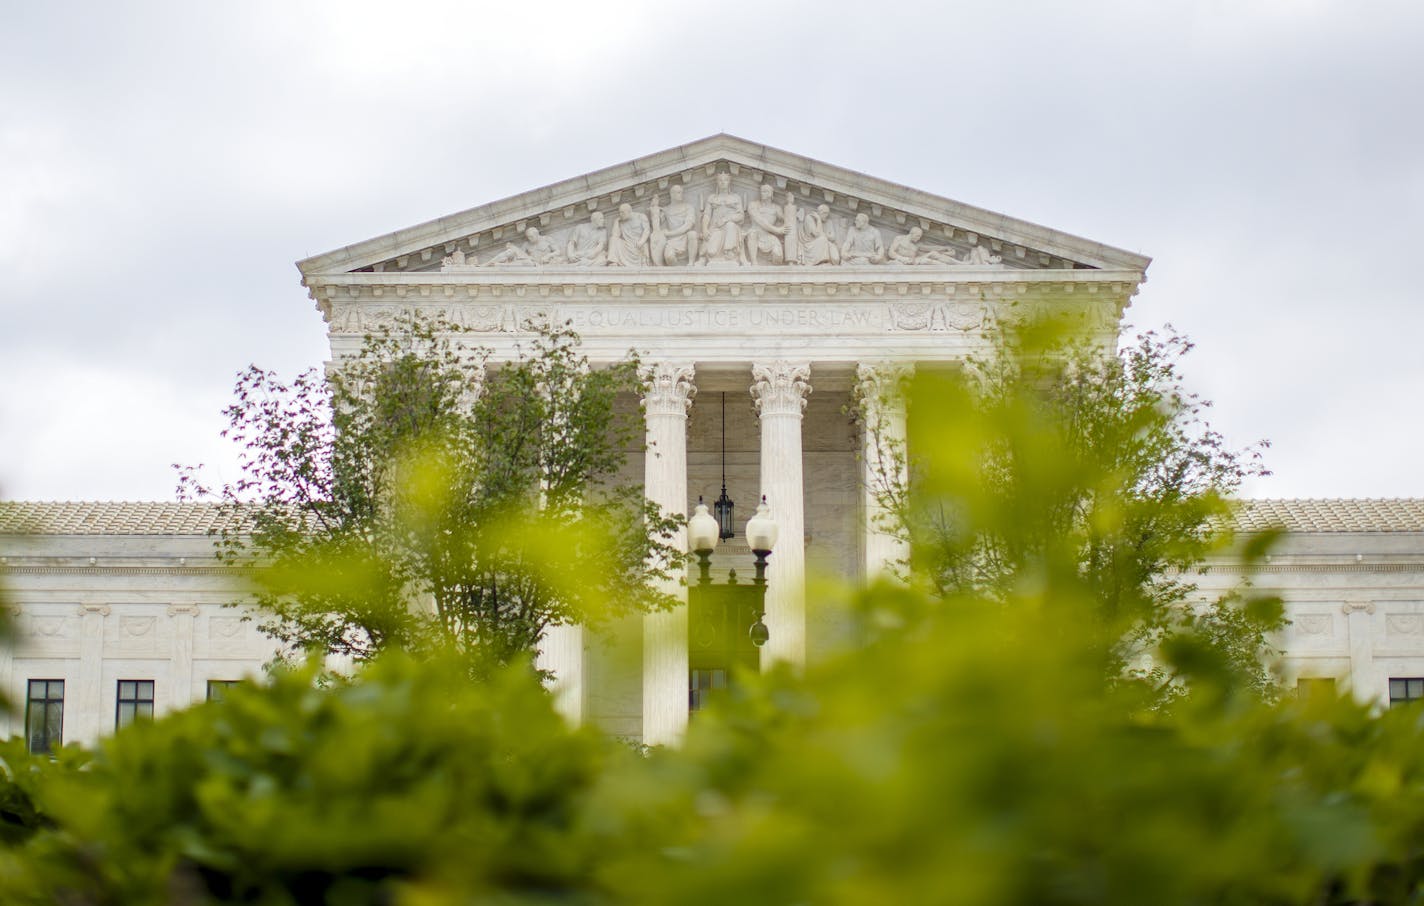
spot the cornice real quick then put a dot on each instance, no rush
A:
(608, 186)
(1280, 568)
(726, 287)
(67, 570)
(1120, 280)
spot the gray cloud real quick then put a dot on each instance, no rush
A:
(163, 164)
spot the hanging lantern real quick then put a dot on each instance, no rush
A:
(726, 528)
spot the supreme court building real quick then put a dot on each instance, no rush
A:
(761, 289)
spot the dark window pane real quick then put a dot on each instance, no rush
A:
(44, 718)
(1404, 689)
(217, 688)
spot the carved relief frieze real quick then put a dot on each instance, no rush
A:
(721, 220)
(475, 317)
(833, 316)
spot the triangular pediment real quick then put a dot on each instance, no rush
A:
(741, 204)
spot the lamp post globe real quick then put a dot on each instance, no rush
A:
(761, 529)
(702, 530)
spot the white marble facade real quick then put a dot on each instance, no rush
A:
(739, 273)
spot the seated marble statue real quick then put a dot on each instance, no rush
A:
(588, 246)
(541, 249)
(674, 227)
(766, 235)
(980, 255)
(863, 243)
(512, 255)
(628, 240)
(906, 249)
(815, 244)
(722, 216)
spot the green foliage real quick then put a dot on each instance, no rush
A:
(969, 751)
(405, 501)
(295, 793)
(1056, 458)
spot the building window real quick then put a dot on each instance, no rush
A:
(44, 715)
(701, 684)
(1315, 688)
(1404, 690)
(135, 701)
(217, 688)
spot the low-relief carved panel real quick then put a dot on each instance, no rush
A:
(1314, 626)
(137, 635)
(52, 626)
(719, 220)
(1405, 624)
(227, 635)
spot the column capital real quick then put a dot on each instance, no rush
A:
(781, 387)
(881, 385)
(669, 388)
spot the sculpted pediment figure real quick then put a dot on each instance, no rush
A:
(722, 218)
(727, 203)
(629, 238)
(674, 230)
(863, 243)
(588, 245)
(766, 235)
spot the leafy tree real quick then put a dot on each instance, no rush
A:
(415, 498)
(1055, 440)
(965, 754)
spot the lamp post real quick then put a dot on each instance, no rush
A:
(702, 537)
(703, 533)
(761, 537)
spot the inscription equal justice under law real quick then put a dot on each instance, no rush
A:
(757, 318)
(721, 318)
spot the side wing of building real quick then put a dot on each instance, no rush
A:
(1351, 573)
(121, 612)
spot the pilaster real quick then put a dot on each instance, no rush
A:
(87, 705)
(180, 693)
(1364, 685)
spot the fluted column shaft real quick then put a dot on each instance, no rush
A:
(779, 390)
(561, 653)
(665, 677)
(884, 462)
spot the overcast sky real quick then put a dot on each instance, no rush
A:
(162, 165)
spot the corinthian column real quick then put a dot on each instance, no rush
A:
(665, 677)
(779, 390)
(884, 475)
